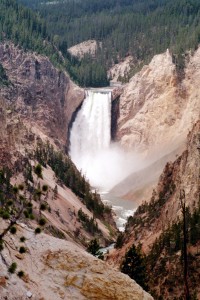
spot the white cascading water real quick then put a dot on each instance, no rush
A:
(91, 132)
(104, 163)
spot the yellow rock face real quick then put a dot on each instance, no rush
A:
(58, 269)
(157, 109)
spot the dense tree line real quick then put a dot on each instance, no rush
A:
(27, 29)
(140, 28)
(89, 73)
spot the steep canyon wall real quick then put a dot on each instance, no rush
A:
(39, 92)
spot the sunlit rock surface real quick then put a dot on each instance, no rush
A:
(156, 109)
(58, 269)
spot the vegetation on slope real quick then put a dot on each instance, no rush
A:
(166, 258)
(131, 27)
(134, 266)
(68, 174)
(27, 29)
(15, 203)
(165, 261)
(140, 28)
(28, 200)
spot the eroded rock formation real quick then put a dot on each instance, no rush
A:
(39, 92)
(156, 109)
(60, 270)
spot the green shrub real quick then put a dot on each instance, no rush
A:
(45, 188)
(42, 222)
(31, 217)
(21, 187)
(1, 245)
(26, 214)
(29, 210)
(12, 268)
(22, 239)
(120, 241)
(20, 274)
(10, 203)
(15, 189)
(6, 215)
(38, 171)
(13, 229)
(22, 249)
(37, 230)
(43, 206)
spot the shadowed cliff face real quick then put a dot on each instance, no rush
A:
(155, 224)
(40, 93)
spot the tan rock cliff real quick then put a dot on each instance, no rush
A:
(86, 47)
(156, 110)
(60, 270)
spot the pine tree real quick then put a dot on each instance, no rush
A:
(133, 265)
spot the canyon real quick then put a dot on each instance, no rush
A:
(150, 118)
(36, 95)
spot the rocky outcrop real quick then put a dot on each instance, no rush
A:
(39, 92)
(57, 269)
(157, 110)
(121, 70)
(86, 47)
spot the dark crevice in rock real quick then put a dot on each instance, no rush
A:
(71, 124)
(114, 117)
(37, 70)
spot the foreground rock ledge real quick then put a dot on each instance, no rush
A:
(57, 269)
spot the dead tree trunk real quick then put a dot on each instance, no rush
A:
(185, 256)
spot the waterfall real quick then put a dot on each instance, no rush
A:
(91, 132)
(104, 163)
